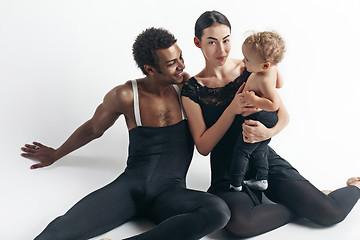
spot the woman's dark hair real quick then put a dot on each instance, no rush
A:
(147, 42)
(207, 19)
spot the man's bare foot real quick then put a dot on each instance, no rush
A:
(354, 181)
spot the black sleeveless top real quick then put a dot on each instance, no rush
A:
(213, 102)
(159, 157)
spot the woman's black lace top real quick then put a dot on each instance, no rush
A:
(213, 102)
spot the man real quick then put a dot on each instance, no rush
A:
(160, 152)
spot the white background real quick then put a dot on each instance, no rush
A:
(59, 58)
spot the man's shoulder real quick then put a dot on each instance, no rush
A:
(123, 90)
(121, 94)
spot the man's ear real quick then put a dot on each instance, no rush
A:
(149, 69)
(266, 66)
(197, 42)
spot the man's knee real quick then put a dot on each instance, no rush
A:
(218, 212)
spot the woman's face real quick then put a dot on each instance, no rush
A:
(215, 44)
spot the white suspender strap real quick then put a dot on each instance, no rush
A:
(136, 103)
(179, 94)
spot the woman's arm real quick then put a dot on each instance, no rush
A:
(206, 139)
(279, 81)
(254, 131)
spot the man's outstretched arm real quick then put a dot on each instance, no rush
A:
(104, 117)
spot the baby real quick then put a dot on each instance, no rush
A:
(262, 52)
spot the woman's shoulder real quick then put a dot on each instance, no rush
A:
(237, 62)
(239, 68)
(190, 89)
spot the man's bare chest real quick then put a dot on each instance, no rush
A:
(160, 112)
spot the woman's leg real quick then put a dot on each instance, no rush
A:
(307, 201)
(248, 219)
(186, 214)
(95, 214)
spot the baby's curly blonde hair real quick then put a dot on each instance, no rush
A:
(269, 46)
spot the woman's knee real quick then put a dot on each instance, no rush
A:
(241, 227)
(331, 217)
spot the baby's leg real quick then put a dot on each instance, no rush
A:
(261, 166)
(259, 154)
(240, 162)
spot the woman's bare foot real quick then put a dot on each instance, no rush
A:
(354, 181)
(326, 192)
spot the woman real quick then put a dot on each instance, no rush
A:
(213, 101)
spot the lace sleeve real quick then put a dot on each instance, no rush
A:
(189, 90)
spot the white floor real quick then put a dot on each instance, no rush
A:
(31, 199)
(59, 58)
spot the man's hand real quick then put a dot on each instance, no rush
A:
(38, 152)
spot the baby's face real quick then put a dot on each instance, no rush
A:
(253, 63)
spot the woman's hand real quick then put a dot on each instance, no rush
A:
(255, 131)
(38, 152)
(239, 105)
(249, 98)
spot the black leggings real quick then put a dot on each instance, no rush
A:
(153, 186)
(257, 151)
(295, 198)
(181, 213)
